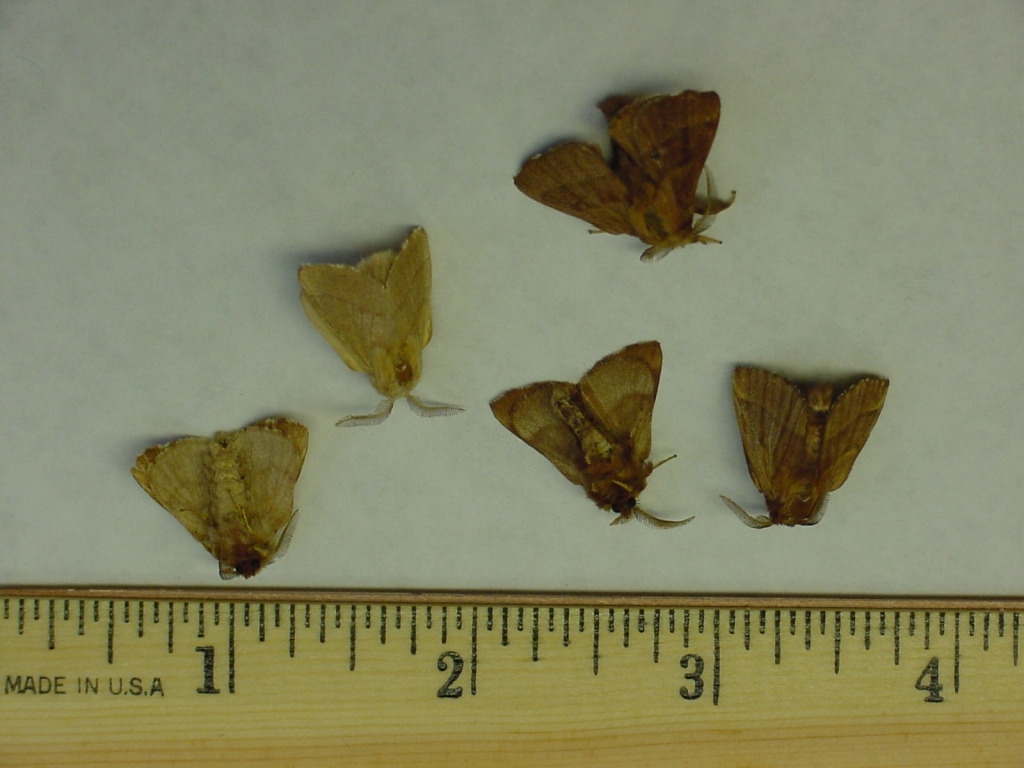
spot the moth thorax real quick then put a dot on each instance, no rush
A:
(820, 397)
(227, 486)
(595, 445)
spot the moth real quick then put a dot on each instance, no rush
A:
(800, 441)
(376, 315)
(649, 188)
(597, 432)
(233, 492)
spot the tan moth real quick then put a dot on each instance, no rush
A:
(233, 492)
(377, 316)
(597, 432)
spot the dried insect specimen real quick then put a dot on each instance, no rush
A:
(376, 315)
(233, 493)
(598, 432)
(800, 441)
(649, 189)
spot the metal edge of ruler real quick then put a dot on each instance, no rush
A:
(468, 597)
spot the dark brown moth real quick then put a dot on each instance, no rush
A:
(800, 441)
(649, 188)
(233, 492)
(598, 432)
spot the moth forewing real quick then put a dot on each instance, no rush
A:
(377, 316)
(597, 433)
(233, 493)
(649, 187)
(800, 442)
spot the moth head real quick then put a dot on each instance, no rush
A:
(798, 510)
(396, 371)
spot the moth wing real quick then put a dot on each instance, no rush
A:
(527, 412)
(773, 417)
(270, 455)
(349, 308)
(575, 179)
(669, 137)
(850, 421)
(620, 391)
(176, 476)
(408, 289)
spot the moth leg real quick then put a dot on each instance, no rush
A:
(421, 408)
(656, 522)
(286, 538)
(712, 206)
(745, 517)
(368, 419)
(818, 514)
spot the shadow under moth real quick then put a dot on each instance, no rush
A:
(233, 492)
(597, 432)
(800, 441)
(376, 315)
(649, 187)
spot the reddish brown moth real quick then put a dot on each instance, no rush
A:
(800, 441)
(232, 493)
(649, 188)
(598, 432)
(376, 315)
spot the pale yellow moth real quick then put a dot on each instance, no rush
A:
(376, 315)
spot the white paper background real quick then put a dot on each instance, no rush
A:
(166, 166)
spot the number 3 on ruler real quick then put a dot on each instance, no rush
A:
(695, 676)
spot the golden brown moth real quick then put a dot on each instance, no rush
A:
(233, 492)
(649, 188)
(800, 441)
(598, 432)
(376, 315)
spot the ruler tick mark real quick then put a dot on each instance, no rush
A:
(291, 630)
(306, 617)
(384, 625)
(838, 639)
(472, 654)
(430, 617)
(792, 623)
(367, 617)
(746, 629)
(565, 627)
(625, 628)
(927, 630)
(458, 617)
(444, 624)
(732, 622)
(640, 621)
(81, 617)
(231, 647)
(867, 630)
(657, 632)
(686, 628)
(582, 622)
(519, 620)
(262, 623)
(201, 620)
(1002, 623)
(536, 631)
(277, 614)
(807, 630)
(412, 630)
(778, 637)
(881, 623)
(352, 638)
(127, 611)
(551, 619)
(170, 627)
(504, 625)
(911, 625)
(821, 622)
(942, 622)
(717, 680)
(245, 615)
(671, 620)
(956, 652)
(216, 614)
(597, 634)
(50, 643)
(1016, 632)
(853, 623)
(323, 622)
(398, 617)
(110, 632)
(21, 615)
(896, 638)
(67, 612)
(985, 642)
(142, 616)
(611, 621)
(700, 622)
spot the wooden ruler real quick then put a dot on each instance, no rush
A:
(269, 677)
